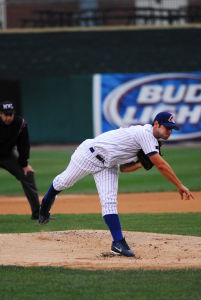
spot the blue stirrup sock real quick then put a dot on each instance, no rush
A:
(48, 199)
(114, 225)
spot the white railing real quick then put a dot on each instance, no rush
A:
(3, 19)
(44, 13)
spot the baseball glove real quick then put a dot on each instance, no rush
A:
(144, 159)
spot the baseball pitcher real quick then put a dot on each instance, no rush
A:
(130, 148)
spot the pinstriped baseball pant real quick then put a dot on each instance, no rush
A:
(83, 163)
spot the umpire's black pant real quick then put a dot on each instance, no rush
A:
(28, 182)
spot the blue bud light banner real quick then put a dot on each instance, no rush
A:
(121, 100)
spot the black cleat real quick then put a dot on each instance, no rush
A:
(121, 248)
(43, 218)
(35, 215)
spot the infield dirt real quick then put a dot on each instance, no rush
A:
(89, 249)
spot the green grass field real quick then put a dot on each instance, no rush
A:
(179, 223)
(63, 284)
(48, 164)
(59, 283)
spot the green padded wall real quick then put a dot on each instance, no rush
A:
(58, 104)
(58, 54)
(58, 110)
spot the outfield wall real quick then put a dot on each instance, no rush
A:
(59, 110)
(54, 70)
(58, 54)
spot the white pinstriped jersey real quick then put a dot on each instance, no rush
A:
(116, 147)
(121, 146)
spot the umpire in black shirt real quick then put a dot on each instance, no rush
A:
(14, 153)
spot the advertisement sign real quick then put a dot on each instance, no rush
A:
(121, 100)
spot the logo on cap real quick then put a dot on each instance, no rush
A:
(8, 106)
(171, 119)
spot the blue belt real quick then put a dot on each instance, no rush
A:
(97, 156)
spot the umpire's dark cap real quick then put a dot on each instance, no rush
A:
(166, 119)
(7, 108)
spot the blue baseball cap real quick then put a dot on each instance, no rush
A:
(166, 119)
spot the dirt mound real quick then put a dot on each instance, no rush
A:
(90, 249)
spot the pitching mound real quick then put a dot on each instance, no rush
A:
(88, 249)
